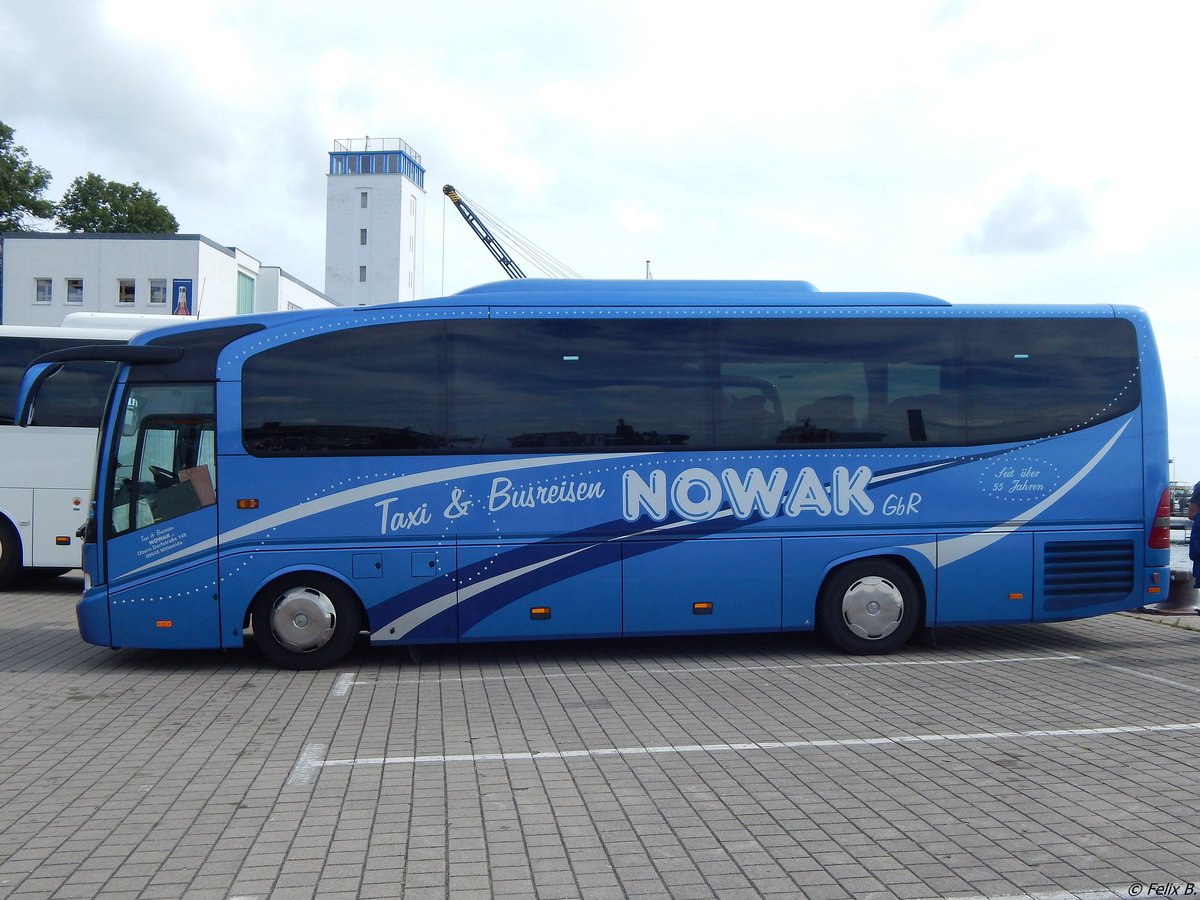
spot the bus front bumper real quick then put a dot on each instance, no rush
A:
(92, 613)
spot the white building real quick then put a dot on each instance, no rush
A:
(374, 222)
(49, 275)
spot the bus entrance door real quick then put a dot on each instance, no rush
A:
(161, 560)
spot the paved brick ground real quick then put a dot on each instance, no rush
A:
(1047, 761)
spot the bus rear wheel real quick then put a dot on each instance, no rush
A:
(305, 621)
(869, 606)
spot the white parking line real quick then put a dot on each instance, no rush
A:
(341, 688)
(1146, 676)
(310, 762)
(342, 684)
(307, 765)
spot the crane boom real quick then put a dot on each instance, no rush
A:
(489, 241)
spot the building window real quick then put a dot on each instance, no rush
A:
(362, 236)
(245, 294)
(412, 242)
(362, 273)
(410, 279)
(44, 290)
(125, 290)
(412, 204)
(74, 290)
(362, 200)
(158, 291)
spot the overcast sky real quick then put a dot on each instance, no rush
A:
(1010, 151)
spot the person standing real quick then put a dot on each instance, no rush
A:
(1194, 538)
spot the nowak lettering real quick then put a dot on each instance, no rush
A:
(698, 494)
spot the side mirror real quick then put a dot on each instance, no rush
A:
(35, 376)
(130, 423)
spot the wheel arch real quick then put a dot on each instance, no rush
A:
(16, 506)
(291, 571)
(12, 559)
(916, 565)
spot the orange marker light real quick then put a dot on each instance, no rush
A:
(247, 503)
(163, 623)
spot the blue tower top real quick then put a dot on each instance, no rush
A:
(376, 156)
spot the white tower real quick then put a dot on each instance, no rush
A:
(374, 222)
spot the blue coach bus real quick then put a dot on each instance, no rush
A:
(553, 459)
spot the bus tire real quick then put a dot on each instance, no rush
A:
(869, 606)
(10, 552)
(305, 621)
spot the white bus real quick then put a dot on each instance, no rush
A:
(46, 471)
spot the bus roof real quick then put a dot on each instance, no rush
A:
(530, 294)
(68, 332)
(123, 321)
(639, 292)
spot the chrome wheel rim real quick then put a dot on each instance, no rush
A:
(872, 608)
(303, 619)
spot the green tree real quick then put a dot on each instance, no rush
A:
(21, 185)
(93, 204)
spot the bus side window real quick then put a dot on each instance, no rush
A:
(174, 469)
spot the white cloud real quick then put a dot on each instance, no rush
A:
(1033, 217)
(637, 220)
(859, 146)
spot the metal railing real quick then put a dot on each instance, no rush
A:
(375, 145)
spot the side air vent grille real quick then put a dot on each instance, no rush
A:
(1081, 573)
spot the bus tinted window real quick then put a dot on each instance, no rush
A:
(839, 381)
(374, 389)
(498, 385)
(74, 396)
(558, 384)
(1031, 378)
(15, 354)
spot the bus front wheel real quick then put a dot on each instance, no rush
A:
(869, 606)
(305, 621)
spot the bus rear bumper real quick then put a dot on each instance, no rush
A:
(1158, 584)
(92, 613)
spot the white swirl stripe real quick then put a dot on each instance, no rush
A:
(414, 618)
(942, 553)
(372, 490)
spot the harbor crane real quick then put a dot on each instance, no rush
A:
(485, 235)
